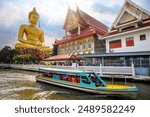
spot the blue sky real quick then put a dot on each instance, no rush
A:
(13, 13)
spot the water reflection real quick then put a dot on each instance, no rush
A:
(21, 85)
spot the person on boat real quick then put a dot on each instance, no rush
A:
(45, 74)
(85, 80)
(95, 80)
(78, 79)
(69, 78)
(62, 77)
(74, 79)
(65, 77)
(48, 74)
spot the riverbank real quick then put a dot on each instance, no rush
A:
(111, 76)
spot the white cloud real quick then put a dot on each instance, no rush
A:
(10, 14)
(53, 12)
(110, 3)
(49, 40)
(139, 2)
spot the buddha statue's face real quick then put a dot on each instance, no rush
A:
(34, 18)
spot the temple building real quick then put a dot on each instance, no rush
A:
(130, 31)
(127, 41)
(81, 35)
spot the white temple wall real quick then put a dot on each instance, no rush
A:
(138, 44)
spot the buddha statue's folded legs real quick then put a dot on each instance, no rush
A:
(20, 46)
(24, 46)
(45, 49)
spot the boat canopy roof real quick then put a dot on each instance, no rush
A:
(63, 71)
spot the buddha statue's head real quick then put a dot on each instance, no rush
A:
(33, 17)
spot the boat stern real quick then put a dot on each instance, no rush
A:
(119, 88)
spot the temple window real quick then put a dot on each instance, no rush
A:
(73, 48)
(115, 44)
(129, 41)
(66, 49)
(70, 49)
(84, 46)
(142, 37)
(62, 50)
(89, 45)
(78, 47)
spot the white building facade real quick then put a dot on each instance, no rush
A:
(133, 41)
(127, 41)
(130, 31)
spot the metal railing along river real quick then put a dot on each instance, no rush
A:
(102, 70)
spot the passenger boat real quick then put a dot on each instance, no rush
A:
(87, 81)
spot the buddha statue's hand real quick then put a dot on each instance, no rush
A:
(33, 42)
(37, 43)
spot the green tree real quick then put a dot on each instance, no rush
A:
(6, 54)
(26, 58)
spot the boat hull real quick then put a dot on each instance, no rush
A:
(80, 88)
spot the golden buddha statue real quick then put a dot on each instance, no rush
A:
(34, 35)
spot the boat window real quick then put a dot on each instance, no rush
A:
(85, 80)
(94, 79)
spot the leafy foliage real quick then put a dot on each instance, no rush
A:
(26, 58)
(7, 54)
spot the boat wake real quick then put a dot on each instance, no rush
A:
(18, 77)
(47, 94)
(11, 91)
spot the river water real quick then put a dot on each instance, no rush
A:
(21, 85)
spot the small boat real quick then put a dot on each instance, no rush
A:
(87, 81)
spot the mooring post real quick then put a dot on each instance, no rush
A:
(133, 69)
(76, 66)
(100, 69)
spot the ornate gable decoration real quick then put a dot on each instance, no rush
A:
(130, 15)
(71, 21)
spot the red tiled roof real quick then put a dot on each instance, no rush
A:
(86, 20)
(92, 21)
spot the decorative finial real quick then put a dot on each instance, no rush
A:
(77, 5)
(78, 10)
(34, 9)
(67, 4)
